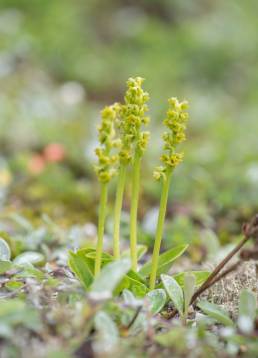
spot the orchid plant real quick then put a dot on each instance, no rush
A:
(122, 144)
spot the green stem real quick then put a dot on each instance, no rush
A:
(159, 230)
(118, 208)
(134, 208)
(101, 226)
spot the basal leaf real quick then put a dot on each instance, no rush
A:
(165, 261)
(141, 250)
(79, 265)
(5, 252)
(189, 286)
(109, 277)
(5, 266)
(214, 311)
(107, 333)
(30, 257)
(200, 277)
(174, 291)
(105, 258)
(134, 282)
(174, 337)
(128, 297)
(157, 299)
(247, 304)
(247, 311)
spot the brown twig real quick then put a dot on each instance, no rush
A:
(250, 230)
(225, 273)
(218, 268)
(215, 280)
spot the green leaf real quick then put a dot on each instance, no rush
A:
(141, 250)
(139, 290)
(137, 284)
(135, 277)
(189, 286)
(105, 258)
(5, 266)
(30, 257)
(247, 304)
(157, 299)
(79, 264)
(15, 245)
(176, 337)
(15, 311)
(109, 277)
(129, 297)
(247, 311)
(165, 261)
(214, 311)
(7, 307)
(13, 285)
(174, 291)
(134, 282)
(5, 252)
(200, 277)
(31, 271)
(108, 335)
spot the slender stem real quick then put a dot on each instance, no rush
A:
(159, 230)
(101, 226)
(134, 209)
(118, 208)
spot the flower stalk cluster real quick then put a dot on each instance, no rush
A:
(176, 123)
(123, 143)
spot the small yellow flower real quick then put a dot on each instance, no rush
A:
(107, 160)
(131, 118)
(175, 121)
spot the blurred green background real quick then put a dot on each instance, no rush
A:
(62, 60)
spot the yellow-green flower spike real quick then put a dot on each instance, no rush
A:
(131, 118)
(175, 121)
(105, 169)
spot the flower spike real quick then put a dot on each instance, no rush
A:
(105, 169)
(175, 121)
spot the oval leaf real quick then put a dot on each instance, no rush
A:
(214, 311)
(108, 334)
(200, 277)
(157, 299)
(247, 311)
(5, 266)
(109, 278)
(189, 286)
(5, 252)
(174, 291)
(247, 304)
(81, 266)
(30, 257)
